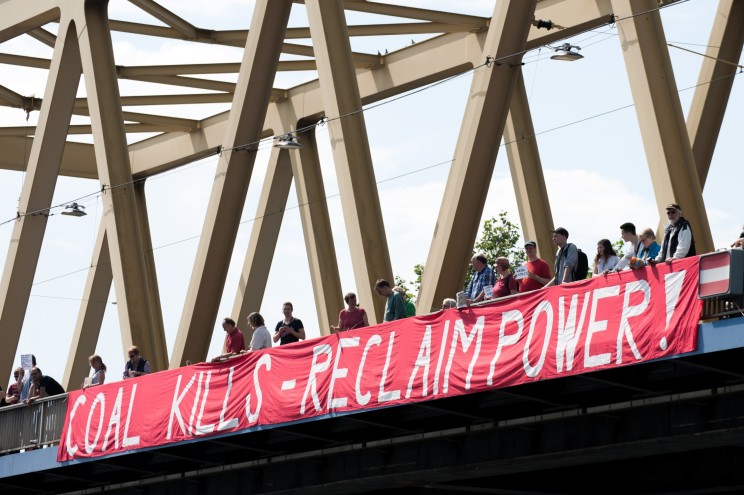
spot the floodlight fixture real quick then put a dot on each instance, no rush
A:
(287, 142)
(74, 210)
(567, 52)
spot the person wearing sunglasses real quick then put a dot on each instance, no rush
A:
(137, 365)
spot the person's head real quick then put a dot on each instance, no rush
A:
(287, 309)
(502, 265)
(674, 213)
(96, 362)
(255, 320)
(605, 249)
(647, 237)
(351, 299)
(382, 287)
(560, 236)
(36, 374)
(401, 291)
(18, 374)
(479, 262)
(530, 249)
(627, 231)
(134, 354)
(228, 324)
(449, 303)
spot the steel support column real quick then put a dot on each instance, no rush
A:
(231, 181)
(90, 316)
(316, 227)
(660, 118)
(714, 83)
(356, 175)
(527, 174)
(38, 188)
(129, 261)
(264, 235)
(475, 153)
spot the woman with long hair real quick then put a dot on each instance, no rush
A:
(606, 258)
(99, 370)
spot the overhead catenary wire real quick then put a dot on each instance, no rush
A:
(254, 146)
(405, 174)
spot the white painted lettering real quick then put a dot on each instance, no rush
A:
(628, 312)
(390, 395)
(340, 372)
(442, 346)
(175, 406)
(265, 362)
(568, 331)
(476, 333)
(200, 428)
(232, 422)
(597, 326)
(514, 316)
(100, 399)
(312, 387)
(363, 399)
(422, 361)
(130, 441)
(115, 419)
(543, 307)
(72, 449)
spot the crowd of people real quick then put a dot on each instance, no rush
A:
(486, 283)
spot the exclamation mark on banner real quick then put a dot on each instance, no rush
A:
(673, 286)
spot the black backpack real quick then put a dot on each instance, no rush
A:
(581, 270)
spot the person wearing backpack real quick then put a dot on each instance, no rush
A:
(566, 259)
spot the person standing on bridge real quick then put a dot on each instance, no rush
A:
(137, 365)
(290, 329)
(395, 309)
(234, 340)
(678, 241)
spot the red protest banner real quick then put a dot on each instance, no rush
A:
(594, 324)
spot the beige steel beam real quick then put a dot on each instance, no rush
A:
(263, 239)
(356, 176)
(527, 173)
(127, 246)
(41, 34)
(316, 227)
(230, 186)
(390, 29)
(156, 328)
(37, 191)
(471, 21)
(87, 129)
(78, 159)
(714, 83)
(475, 154)
(161, 13)
(90, 317)
(661, 122)
(17, 18)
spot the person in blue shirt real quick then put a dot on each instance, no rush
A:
(482, 277)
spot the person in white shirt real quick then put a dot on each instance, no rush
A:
(678, 240)
(632, 248)
(261, 336)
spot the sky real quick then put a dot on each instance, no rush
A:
(590, 147)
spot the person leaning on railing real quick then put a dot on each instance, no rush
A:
(43, 386)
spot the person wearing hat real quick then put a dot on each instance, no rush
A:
(565, 259)
(678, 241)
(538, 271)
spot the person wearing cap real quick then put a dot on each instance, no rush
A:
(678, 241)
(538, 271)
(565, 259)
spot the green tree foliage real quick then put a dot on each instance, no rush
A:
(499, 239)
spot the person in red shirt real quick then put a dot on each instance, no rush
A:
(234, 341)
(538, 272)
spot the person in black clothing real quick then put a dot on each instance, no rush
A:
(43, 386)
(678, 240)
(290, 329)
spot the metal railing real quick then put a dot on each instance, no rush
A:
(24, 427)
